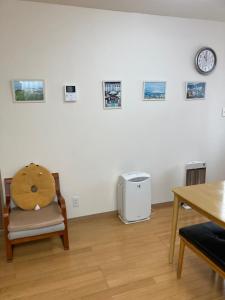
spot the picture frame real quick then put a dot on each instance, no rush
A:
(112, 91)
(28, 90)
(154, 90)
(195, 90)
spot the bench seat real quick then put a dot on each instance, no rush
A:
(209, 238)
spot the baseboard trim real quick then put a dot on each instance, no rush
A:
(94, 216)
(115, 212)
(161, 205)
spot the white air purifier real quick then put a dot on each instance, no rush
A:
(134, 197)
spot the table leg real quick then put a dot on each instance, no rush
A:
(174, 228)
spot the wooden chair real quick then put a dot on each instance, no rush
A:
(207, 240)
(24, 226)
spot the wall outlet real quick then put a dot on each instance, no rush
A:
(75, 201)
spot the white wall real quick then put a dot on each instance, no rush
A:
(90, 146)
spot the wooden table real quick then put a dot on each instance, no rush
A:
(207, 199)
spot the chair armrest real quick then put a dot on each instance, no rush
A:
(61, 201)
(62, 204)
(5, 214)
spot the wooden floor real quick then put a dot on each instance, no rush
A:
(109, 260)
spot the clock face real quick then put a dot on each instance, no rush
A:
(205, 60)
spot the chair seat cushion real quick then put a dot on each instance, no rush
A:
(34, 232)
(26, 220)
(209, 238)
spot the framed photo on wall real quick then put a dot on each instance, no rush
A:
(112, 94)
(154, 91)
(195, 90)
(28, 91)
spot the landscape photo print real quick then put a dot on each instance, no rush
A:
(154, 90)
(195, 90)
(28, 90)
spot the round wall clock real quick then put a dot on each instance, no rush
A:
(205, 60)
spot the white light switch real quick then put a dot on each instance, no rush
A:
(223, 112)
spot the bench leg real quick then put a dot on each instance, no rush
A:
(181, 258)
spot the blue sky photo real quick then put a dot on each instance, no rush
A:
(154, 90)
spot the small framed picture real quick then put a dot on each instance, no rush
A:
(28, 91)
(112, 94)
(154, 90)
(195, 90)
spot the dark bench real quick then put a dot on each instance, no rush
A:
(208, 241)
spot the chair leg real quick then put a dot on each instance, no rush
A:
(9, 251)
(65, 239)
(181, 258)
